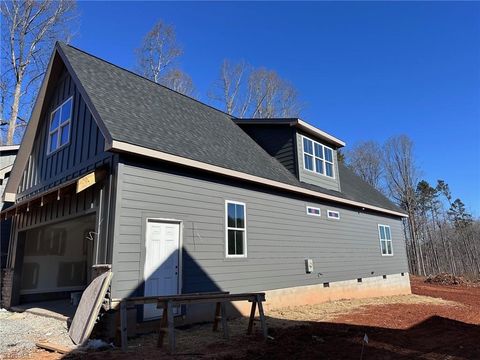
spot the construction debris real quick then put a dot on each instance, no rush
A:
(89, 308)
(53, 347)
(449, 279)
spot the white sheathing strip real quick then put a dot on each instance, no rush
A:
(135, 149)
(9, 147)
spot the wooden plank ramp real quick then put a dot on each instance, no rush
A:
(47, 345)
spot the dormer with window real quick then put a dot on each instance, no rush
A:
(306, 151)
(317, 158)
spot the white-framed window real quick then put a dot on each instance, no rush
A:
(236, 229)
(317, 157)
(314, 211)
(60, 126)
(385, 240)
(332, 214)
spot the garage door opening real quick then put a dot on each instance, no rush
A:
(57, 260)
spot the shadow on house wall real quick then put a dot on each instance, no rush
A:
(194, 279)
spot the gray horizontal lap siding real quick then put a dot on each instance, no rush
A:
(280, 236)
(83, 153)
(7, 158)
(312, 177)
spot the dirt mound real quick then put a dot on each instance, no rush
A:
(447, 279)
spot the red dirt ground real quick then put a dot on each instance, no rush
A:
(399, 331)
(396, 331)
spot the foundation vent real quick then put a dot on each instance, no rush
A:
(403, 274)
(326, 284)
(359, 280)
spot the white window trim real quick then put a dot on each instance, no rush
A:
(334, 212)
(324, 173)
(244, 255)
(380, 239)
(59, 128)
(316, 208)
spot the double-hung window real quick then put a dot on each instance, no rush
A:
(385, 240)
(317, 157)
(236, 232)
(60, 125)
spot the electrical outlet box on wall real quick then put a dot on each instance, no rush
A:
(308, 266)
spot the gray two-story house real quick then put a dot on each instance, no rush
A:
(180, 197)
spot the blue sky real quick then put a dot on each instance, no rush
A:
(366, 70)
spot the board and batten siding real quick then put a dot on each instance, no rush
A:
(84, 152)
(280, 235)
(312, 177)
(277, 140)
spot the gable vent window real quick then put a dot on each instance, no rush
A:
(60, 125)
(314, 211)
(317, 157)
(385, 240)
(333, 214)
(236, 237)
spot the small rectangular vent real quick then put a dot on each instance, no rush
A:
(359, 280)
(326, 284)
(384, 276)
(403, 274)
(313, 211)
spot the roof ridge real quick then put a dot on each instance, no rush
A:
(147, 79)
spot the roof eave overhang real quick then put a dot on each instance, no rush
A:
(119, 146)
(299, 124)
(9, 194)
(25, 147)
(310, 129)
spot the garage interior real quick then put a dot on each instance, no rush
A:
(57, 260)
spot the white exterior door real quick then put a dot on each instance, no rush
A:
(161, 262)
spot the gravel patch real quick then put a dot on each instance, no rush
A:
(20, 331)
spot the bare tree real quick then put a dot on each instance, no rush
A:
(248, 92)
(441, 236)
(365, 159)
(271, 95)
(158, 51)
(229, 88)
(29, 31)
(179, 81)
(401, 177)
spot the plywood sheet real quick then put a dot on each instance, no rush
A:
(88, 308)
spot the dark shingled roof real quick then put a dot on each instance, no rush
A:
(138, 111)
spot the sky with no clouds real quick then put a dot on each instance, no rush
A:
(365, 70)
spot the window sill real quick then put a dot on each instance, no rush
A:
(57, 150)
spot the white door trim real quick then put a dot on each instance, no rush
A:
(180, 247)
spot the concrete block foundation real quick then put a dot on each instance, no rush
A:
(388, 285)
